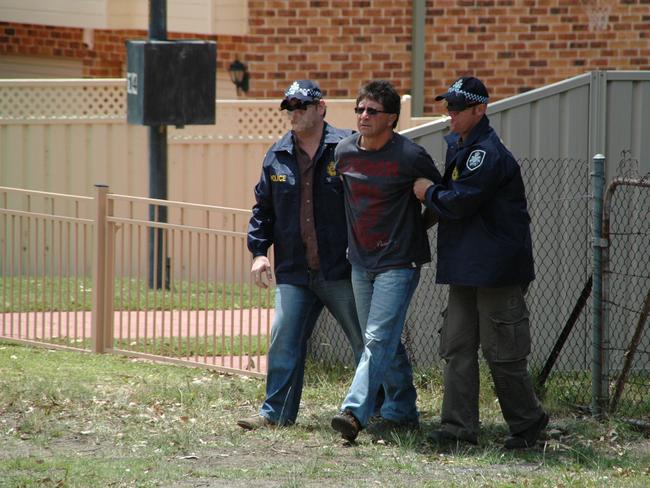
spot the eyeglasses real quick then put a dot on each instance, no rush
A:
(370, 111)
(290, 107)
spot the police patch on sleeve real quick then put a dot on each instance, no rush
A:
(475, 159)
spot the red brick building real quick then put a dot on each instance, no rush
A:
(513, 45)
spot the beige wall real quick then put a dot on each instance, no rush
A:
(65, 136)
(228, 17)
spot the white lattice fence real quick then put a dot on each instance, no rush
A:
(32, 100)
(27, 101)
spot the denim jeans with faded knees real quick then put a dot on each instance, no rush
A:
(382, 302)
(296, 311)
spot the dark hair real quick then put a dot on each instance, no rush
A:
(381, 91)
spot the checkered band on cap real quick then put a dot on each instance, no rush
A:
(457, 88)
(304, 88)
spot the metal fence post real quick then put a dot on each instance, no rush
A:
(109, 277)
(99, 271)
(598, 185)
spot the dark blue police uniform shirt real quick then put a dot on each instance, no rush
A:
(484, 226)
(276, 213)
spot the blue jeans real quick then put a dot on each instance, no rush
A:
(296, 311)
(382, 302)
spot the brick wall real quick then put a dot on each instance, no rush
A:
(104, 57)
(513, 45)
(517, 45)
(340, 43)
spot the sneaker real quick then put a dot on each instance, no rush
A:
(255, 422)
(347, 425)
(528, 437)
(442, 438)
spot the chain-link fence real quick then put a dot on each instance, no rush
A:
(560, 208)
(626, 292)
(559, 204)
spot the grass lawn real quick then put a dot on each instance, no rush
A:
(29, 294)
(181, 347)
(79, 420)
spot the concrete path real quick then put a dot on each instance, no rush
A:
(131, 327)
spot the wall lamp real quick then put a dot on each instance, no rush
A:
(239, 76)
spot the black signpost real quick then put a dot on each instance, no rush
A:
(157, 162)
(168, 83)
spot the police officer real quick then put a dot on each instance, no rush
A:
(299, 210)
(485, 255)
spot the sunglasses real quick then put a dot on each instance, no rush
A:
(370, 111)
(290, 107)
(451, 108)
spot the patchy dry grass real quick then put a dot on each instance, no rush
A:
(79, 420)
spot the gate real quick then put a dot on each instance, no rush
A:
(626, 293)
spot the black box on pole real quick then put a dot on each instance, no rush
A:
(171, 82)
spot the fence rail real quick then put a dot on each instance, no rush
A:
(82, 283)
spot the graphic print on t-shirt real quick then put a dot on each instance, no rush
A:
(368, 199)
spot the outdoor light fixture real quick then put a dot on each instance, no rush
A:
(239, 75)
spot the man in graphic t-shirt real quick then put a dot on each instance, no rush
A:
(387, 244)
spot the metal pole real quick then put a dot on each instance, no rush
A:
(158, 20)
(157, 158)
(417, 57)
(109, 276)
(598, 185)
(99, 271)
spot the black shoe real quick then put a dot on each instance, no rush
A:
(442, 438)
(528, 437)
(347, 425)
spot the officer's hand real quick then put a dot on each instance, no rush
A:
(420, 187)
(261, 271)
(429, 218)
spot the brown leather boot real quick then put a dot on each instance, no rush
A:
(347, 425)
(255, 422)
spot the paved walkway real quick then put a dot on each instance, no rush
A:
(132, 326)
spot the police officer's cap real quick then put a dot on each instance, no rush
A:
(301, 92)
(465, 92)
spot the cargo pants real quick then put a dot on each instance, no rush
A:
(497, 320)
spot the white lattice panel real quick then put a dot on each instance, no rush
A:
(48, 100)
(240, 120)
(104, 100)
(266, 121)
